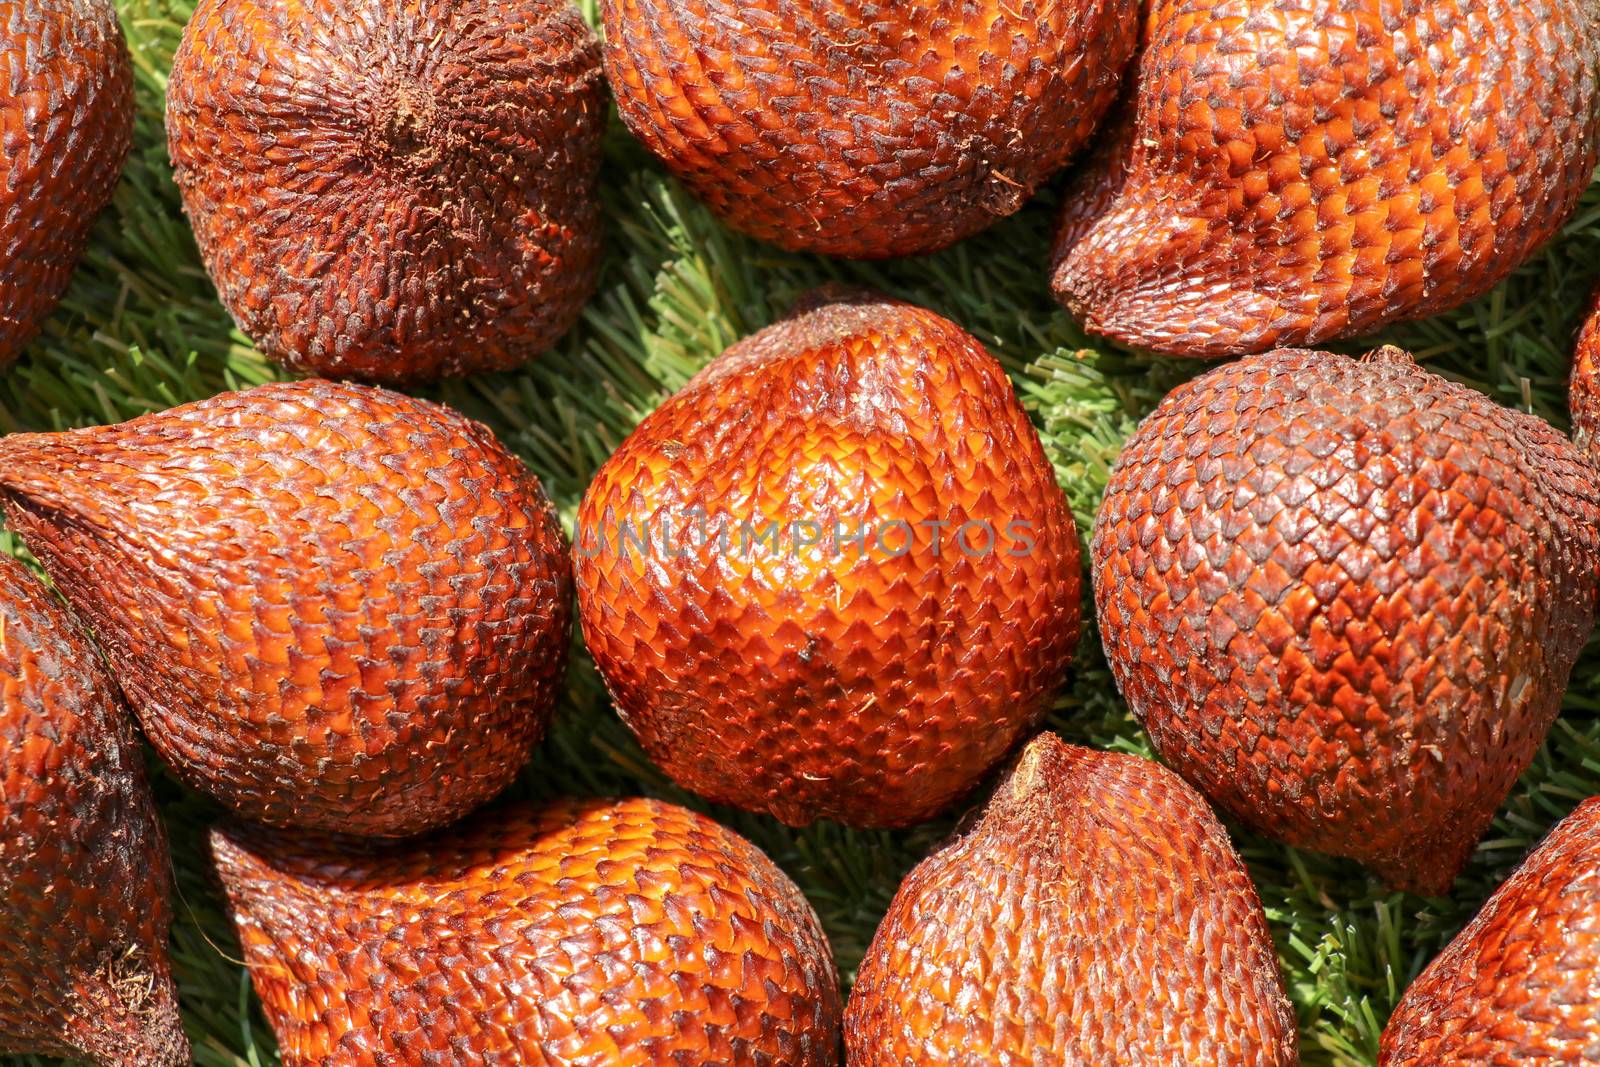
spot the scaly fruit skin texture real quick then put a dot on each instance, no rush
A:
(66, 109)
(393, 192)
(1093, 913)
(84, 971)
(1585, 395)
(1345, 596)
(1520, 986)
(332, 606)
(584, 932)
(803, 674)
(1294, 171)
(865, 129)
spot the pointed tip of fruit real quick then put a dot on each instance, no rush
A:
(1389, 354)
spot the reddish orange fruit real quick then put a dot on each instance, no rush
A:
(834, 576)
(1293, 171)
(83, 865)
(1586, 385)
(1345, 596)
(585, 932)
(331, 606)
(1520, 986)
(1093, 913)
(66, 123)
(390, 191)
(870, 130)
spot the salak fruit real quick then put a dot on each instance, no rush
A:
(865, 129)
(1345, 596)
(66, 124)
(393, 192)
(1293, 171)
(1093, 913)
(585, 932)
(84, 971)
(331, 606)
(1585, 394)
(1520, 986)
(833, 576)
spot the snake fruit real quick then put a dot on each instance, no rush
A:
(1345, 597)
(834, 576)
(1293, 171)
(585, 932)
(865, 130)
(331, 606)
(392, 192)
(1520, 986)
(66, 112)
(84, 971)
(1093, 912)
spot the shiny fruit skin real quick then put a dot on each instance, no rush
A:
(1093, 913)
(1585, 394)
(585, 932)
(865, 130)
(1295, 171)
(84, 971)
(331, 606)
(66, 124)
(1345, 596)
(1520, 986)
(393, 192)
(832, 680)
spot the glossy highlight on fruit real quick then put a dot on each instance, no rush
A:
(1345, 597)
(66, 123)
(865, 129)
(1520, 986)
(84, 971)
(331, 606)
(583, 932)
(834, 576)
(1585, 393)
(393, 192)
(1092, 913)
(1294, 171)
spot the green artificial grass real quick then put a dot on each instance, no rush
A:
(142, 330)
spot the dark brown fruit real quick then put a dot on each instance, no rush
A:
(874, 682)
(66, 123)
(1586, 385)
(587, 932)
(1294, 171)
(1520, 986)
(1345, 596)
(865, 130)
(1094, 913)
(331, 606)
(393, 191)
(83, 865)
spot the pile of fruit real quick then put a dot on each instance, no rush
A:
(834, 578)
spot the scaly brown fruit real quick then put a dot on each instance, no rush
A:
(66, 118)
(1585, 393)
(390, 191)
(1294, 171)
(1345, 596)
(1520, 986)
(332, 606)
(1093, 913)
(865, 129)
(83, 864)
(763, 657)
(584, 932)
